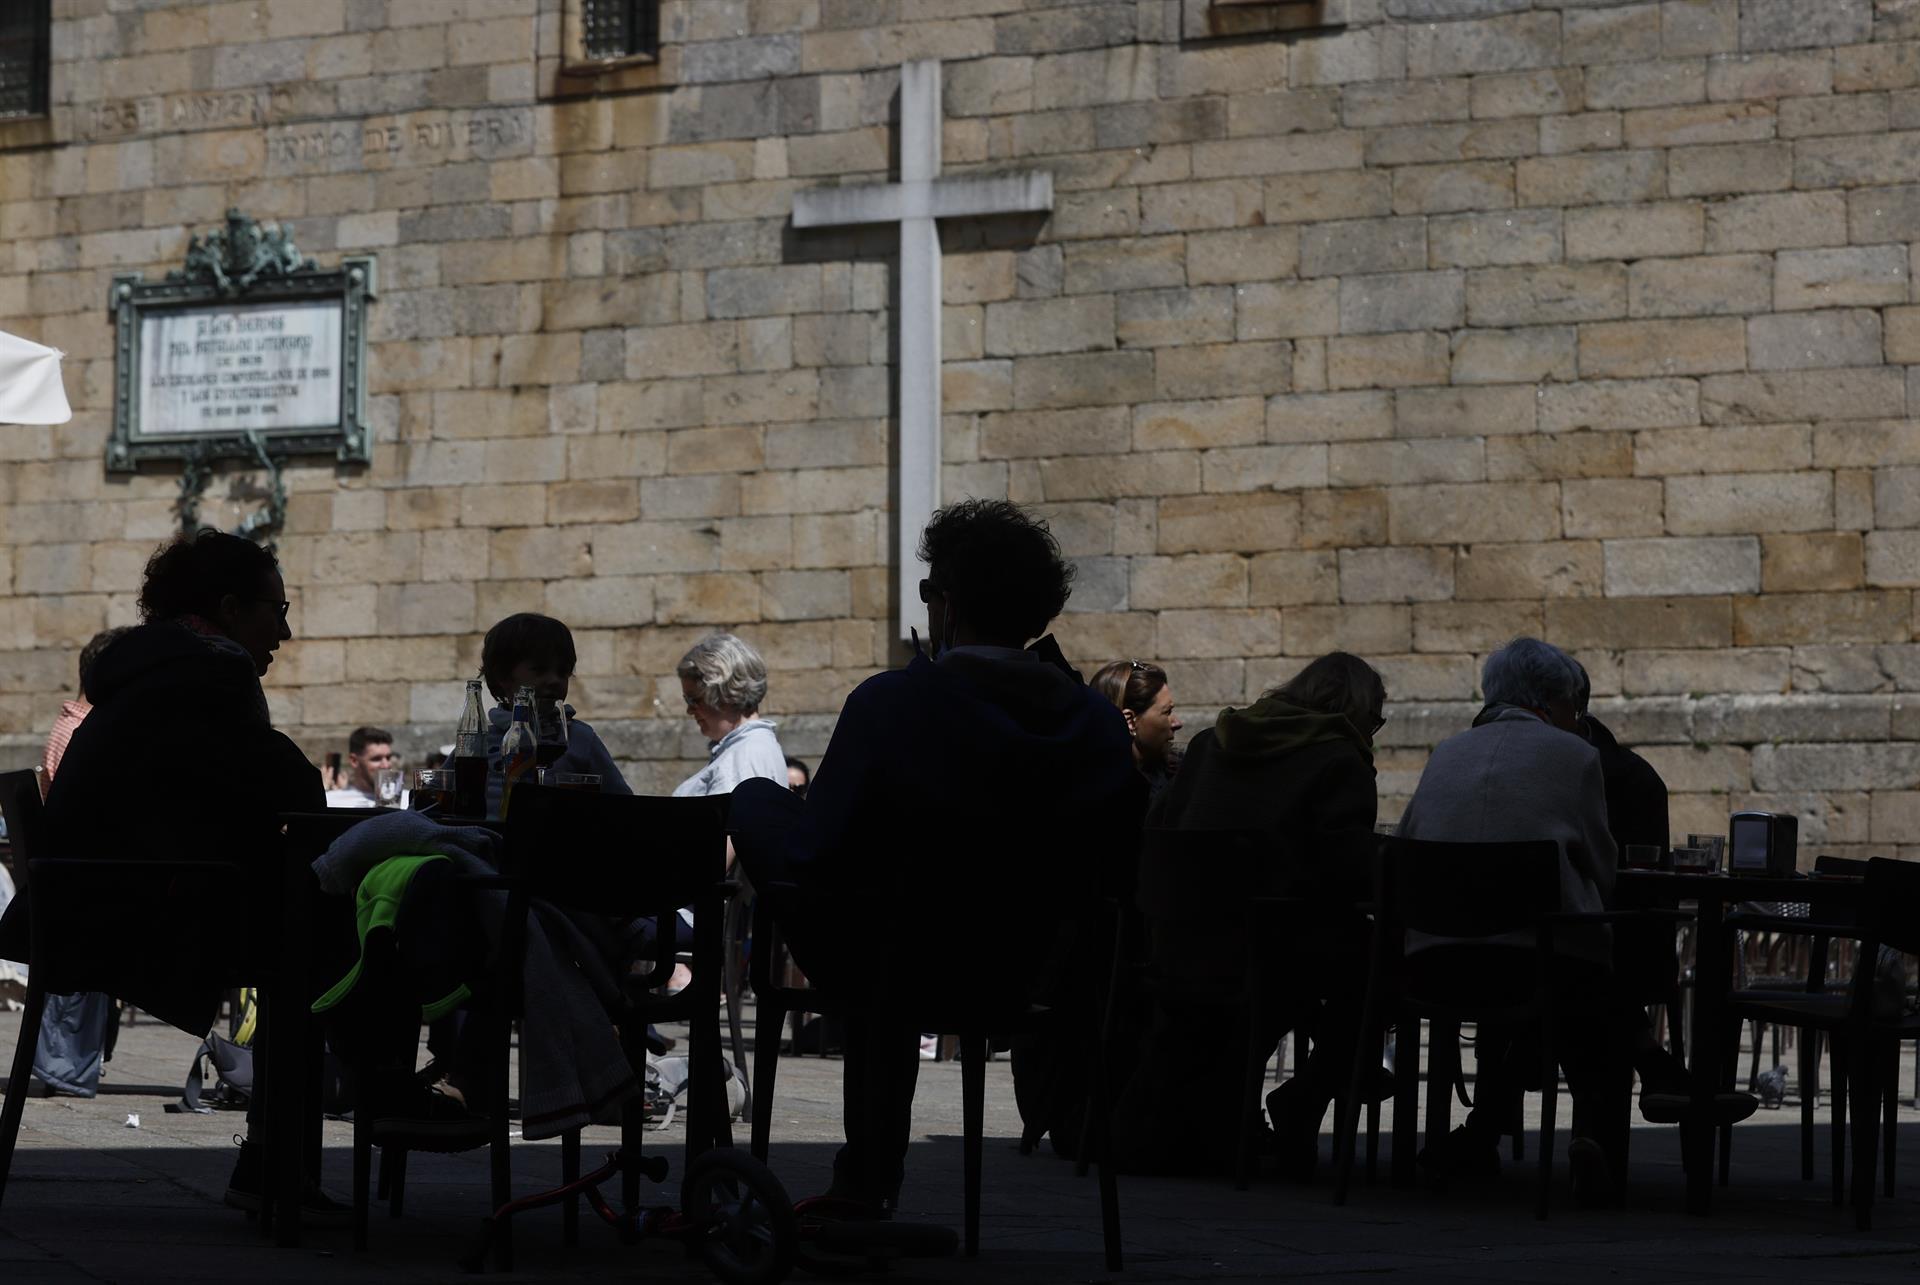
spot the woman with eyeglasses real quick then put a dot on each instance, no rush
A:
(1140, 692)
(723, 680)
(1297, 766)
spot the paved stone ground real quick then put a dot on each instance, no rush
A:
(93, 1200)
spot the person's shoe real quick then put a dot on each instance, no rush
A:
(1666, 1106)
(1296, 1131)
(245, 1186)
(1592, 1180)
(1462, 1154)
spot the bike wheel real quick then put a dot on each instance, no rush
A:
(739, 1218)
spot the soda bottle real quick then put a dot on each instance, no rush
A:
(470, 757)
(520, 748)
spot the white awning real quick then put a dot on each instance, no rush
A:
(30, 388)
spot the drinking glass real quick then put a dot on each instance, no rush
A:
(388, 785)
(551, 727)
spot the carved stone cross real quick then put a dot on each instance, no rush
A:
(917, 203)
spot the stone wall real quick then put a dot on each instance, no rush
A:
(1454, 320)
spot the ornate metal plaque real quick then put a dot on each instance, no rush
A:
(248, 351)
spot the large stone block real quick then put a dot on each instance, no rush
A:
(1636, 232)
(1694, 346)
(1401, 463)
(1366, 629)
(1230, 421)
(1785, 220)
(1531, 355)
(1233, 632)
(1855, 276)
(1731, 283)
(1294, 578)
(1196, 580)
(1387, 361)
(1502, 238)
(1620, 404)
(1786, 396)
(1760, 448)
(1849, 337)
(1102, 477)
(1776, 619)
(1396, 575)
(1500, 572)
(1705, 622)
(1654, 671)
(1470, 514)
(1243, 254)
(1501, 44)
(1221, 370)
(1472, 627)
(1402, 301)
(1165, 318)
(1286, 309)
(1893, 558)
(1749, 502)
(1699, 124)
(1812, 562)
(1364, 245)
(1525, 296)
(1867, 766)
(1237, 523)
(1253, 468)
(1442, 189)
(1730, 169)
(1785, 24)
(1611, 507)
(1020, 327)
(1670, 567)
(1343, 519)
(1590, 179)
(1464, 411)
(1335, 194)
(1064, 432)
(1088, 379)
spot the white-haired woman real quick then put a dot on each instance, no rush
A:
(724, 680)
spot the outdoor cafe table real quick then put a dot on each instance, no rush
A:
(1713, 974)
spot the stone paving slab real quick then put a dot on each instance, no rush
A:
(93, 1200)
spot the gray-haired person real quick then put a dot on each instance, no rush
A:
(723, 680)
(1523, 772)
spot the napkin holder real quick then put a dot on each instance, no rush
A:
(1763, 843)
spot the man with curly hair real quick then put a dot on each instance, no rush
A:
(131, 784)
(960, 796)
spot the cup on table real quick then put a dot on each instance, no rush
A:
(1693, 860)
(1715, 845)
(431, 786)
(588, 782)
(1643, 856)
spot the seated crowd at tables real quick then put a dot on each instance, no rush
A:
(982, 786)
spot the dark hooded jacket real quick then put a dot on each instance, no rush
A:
(983, 796)
(1300, 776)
(177, 761)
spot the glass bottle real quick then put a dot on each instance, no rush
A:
(470, 757)
(519, 750)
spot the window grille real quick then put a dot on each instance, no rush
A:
(24, 53)
(620, 28)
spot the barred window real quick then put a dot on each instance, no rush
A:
(621, 28)
(24, 49)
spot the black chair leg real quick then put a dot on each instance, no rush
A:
(1890, 1107)
(1373, 1140)
(362, 1175)
(569, 1171)
(1443, 1067)
(1838, 1076)
(1809, 1095)
(19, 1078)
(1406, 1099)
(766, 1068)
(1549, 1104)
(383, 1182)
(397, 1193)
(973, 1092)
(1865, 1072)
(1345, 1118)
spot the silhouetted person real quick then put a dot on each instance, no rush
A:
(183, 690)
(1295, 766)
(948, 837)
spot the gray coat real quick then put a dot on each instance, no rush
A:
(1516, 778)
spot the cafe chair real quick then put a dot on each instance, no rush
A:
(75, 907)
(1221, 940)
(978, 1026)
(1461, 891)
(1864, 1038)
